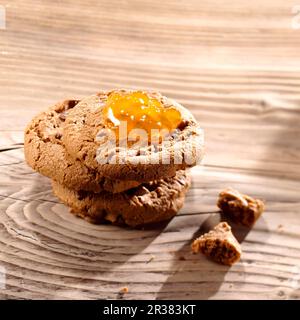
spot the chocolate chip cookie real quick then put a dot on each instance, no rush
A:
(146, 204)
(86, 123)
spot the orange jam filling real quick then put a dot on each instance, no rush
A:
(139, 111)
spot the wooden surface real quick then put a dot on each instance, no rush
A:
(235, 65)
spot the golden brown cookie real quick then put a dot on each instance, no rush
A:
(45, 153)
(86, 123)
(148, 203)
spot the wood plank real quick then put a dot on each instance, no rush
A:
(234, 65)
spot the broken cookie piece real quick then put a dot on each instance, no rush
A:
(240, 208)
(219, 244)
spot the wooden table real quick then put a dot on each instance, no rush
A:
(235, 65)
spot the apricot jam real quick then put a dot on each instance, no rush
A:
(140, 111)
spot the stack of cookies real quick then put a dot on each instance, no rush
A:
(103, 181)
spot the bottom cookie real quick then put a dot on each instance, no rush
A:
(146, 204)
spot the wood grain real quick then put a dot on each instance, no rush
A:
(235, 65)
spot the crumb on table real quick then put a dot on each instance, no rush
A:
(124, 290)
(151, 258)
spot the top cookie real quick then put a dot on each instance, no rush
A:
(88, 136)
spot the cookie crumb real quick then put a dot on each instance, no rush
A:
(219, 244)
(240, 208)
(151, 258)
(182, 258)
(124, 290)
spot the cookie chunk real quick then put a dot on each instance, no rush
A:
(85, 138)
(45, 153)
(219, 244)
(148, 203)
(240, 208)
